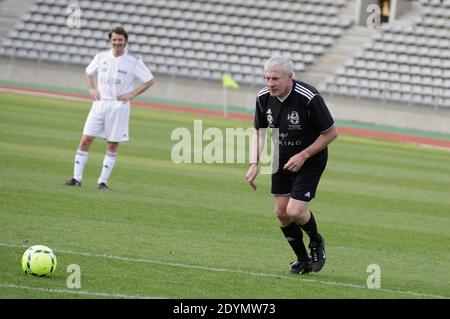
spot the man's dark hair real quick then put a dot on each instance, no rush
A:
(118, 30)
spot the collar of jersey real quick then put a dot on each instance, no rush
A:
(283, 98)
(125, 51)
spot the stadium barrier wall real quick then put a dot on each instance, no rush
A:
(173, 89)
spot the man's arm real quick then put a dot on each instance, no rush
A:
(90, 79)
(256, 148)
(141, 87)
(325, 138)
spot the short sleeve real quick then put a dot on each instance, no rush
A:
(320, 114)
(93, 66)
(142, 72)
(260, 117)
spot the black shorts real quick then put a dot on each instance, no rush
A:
(301, 185)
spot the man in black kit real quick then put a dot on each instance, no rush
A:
(305, 128)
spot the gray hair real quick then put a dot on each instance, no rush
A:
(284, 62)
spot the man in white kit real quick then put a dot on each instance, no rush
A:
(115, 71)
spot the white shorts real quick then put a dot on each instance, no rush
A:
(109, 120)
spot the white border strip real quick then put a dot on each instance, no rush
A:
(78, 292)
(45, 94)
(172, 264)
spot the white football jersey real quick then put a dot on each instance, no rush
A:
(116, 75)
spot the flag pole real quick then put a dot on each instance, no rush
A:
(227, 81)
(225, 102)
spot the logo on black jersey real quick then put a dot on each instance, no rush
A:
(294, 121)
(284, 141)
(269, 118)
(293, 118)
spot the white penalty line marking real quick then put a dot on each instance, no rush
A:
(77, 292)
(172, 264)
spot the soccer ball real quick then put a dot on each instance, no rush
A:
(39, 260)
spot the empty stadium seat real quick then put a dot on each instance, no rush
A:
(409, 64)
(225, 32)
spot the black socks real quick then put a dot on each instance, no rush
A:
(294, 236)
(311, 229)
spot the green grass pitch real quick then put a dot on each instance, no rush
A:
(170, 230)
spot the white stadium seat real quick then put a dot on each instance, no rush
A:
(235, 34)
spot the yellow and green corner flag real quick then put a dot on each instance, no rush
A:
(227, 81)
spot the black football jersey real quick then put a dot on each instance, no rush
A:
(300, 118)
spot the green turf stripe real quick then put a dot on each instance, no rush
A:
(378, 203)
(231, 108)
(241, 110)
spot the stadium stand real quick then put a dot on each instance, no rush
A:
(10, 11)
(409, 64)
(199, 39)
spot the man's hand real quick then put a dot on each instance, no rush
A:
(295, 163)
(95, 94)
(141, 87)
(251, 175)
(93, 91)
(126, 96)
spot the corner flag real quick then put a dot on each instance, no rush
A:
(227, 81)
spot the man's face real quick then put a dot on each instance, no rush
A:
(278, 82)
(118, 42)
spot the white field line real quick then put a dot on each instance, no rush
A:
(46, 94)
(77, 292)
(300, 278)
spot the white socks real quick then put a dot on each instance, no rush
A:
(80, 161)
(108, 165)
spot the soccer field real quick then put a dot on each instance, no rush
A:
(170, 230)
